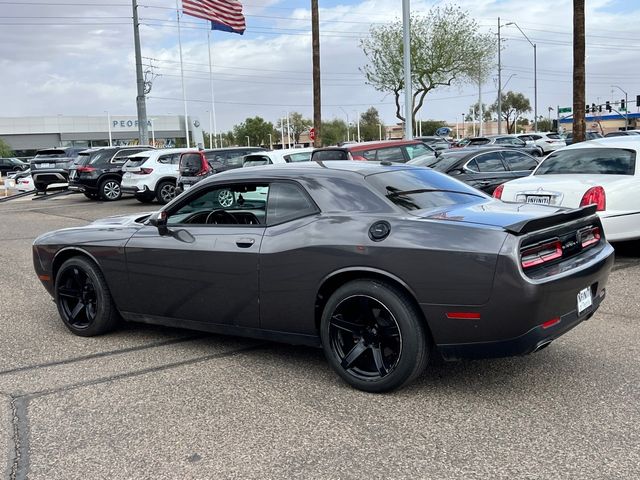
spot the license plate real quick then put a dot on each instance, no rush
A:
(584, 300)
(539, 199)
(45, 165)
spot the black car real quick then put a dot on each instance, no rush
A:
(590, 135)
(199, 164)
(506, 141)
(52, 166)
(380, 265)
(12, 165)
(98, 172)
(484, 168)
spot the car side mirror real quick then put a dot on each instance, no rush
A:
(159, 220)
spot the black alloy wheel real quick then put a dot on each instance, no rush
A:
(83, 298)
(373, 336)
(165, 192)
(110, 190)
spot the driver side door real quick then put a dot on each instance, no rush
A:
(204, 267)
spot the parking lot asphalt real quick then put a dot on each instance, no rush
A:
(151, 402)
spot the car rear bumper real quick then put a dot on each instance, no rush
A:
(131, 184)
(522, 313)
(531, 341)
(48, 177)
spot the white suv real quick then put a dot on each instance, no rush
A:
(548, 142)
(152, 174)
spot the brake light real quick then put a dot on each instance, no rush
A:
(590, 237)
(144, 171)
(463, 315)
(497, 193)
(85, 169)
(540, 254)
(595, 195)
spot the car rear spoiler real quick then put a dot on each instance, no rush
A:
(541, 223)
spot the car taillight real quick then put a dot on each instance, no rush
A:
(144, 171)
(589, 237)
(542, 253)
(497, 193)
(85, 169)
(595, 195)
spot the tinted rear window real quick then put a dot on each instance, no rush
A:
(324, 155)
(479, 141)
(422, 189)
(136, 161)
(51, 154)
(601, 161)
(554, 136)
(190, 162)
(444, 162)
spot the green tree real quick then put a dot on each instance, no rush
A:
(334, 131)
(474, 114)
(369, 125)
(544, 124)
(513, 106)
(447, 48)
(298, 125)
(256, 128)
(429, 127)
(5, 149)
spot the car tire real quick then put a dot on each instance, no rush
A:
(165, 192)
(110, 190)
(91, 196)
(537, 153)
(83, 298)
(40, 187)
(146, 197)
(373, 336)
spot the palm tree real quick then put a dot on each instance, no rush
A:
(579, 125)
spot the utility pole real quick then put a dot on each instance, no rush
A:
(315, 49)
(480, 109)
(406, 41)
(579, 124)
(141, 104)
(499, 82)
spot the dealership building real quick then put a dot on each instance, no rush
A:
(26, 135)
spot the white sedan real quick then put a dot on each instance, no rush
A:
(604, 172)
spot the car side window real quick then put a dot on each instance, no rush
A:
(518, 161)
(369, 154)
(489, 162)
(287, 201)
(175, 159)
(235, 204)
(503, 141)
(123, 155)
(392, 154)
(165, 159)
(416, 150)
(473, 166)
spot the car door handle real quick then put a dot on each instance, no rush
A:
(245, 242)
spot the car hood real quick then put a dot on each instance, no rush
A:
(123, 220)
(492, 213)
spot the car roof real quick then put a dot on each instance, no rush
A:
(161, 151)
(369, 145)
(278, 154)
(625, 141)
(310, 169)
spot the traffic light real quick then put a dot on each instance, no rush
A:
(623, 104)
(608, 105)
(600, 108)
(637, 100)
(593, 108)
(586, 108)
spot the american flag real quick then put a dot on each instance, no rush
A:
(225, 15)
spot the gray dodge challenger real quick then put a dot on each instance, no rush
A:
(383, 266)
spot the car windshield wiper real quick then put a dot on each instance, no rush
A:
(393, 192)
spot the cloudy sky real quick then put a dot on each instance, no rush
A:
(75, 57)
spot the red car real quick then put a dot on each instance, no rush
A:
(389, 150)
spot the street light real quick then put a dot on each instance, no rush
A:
(535, 76)
(153, 132)
(358, 117)
(270, 142)
(626, 106)
(380, 132)
(248, 144)
(464, 131)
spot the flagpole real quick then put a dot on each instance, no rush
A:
(213, 103)
(184, 92)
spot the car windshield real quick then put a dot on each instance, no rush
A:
(554, 136)
(600, 161)
(419, 189)
(479, 141)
